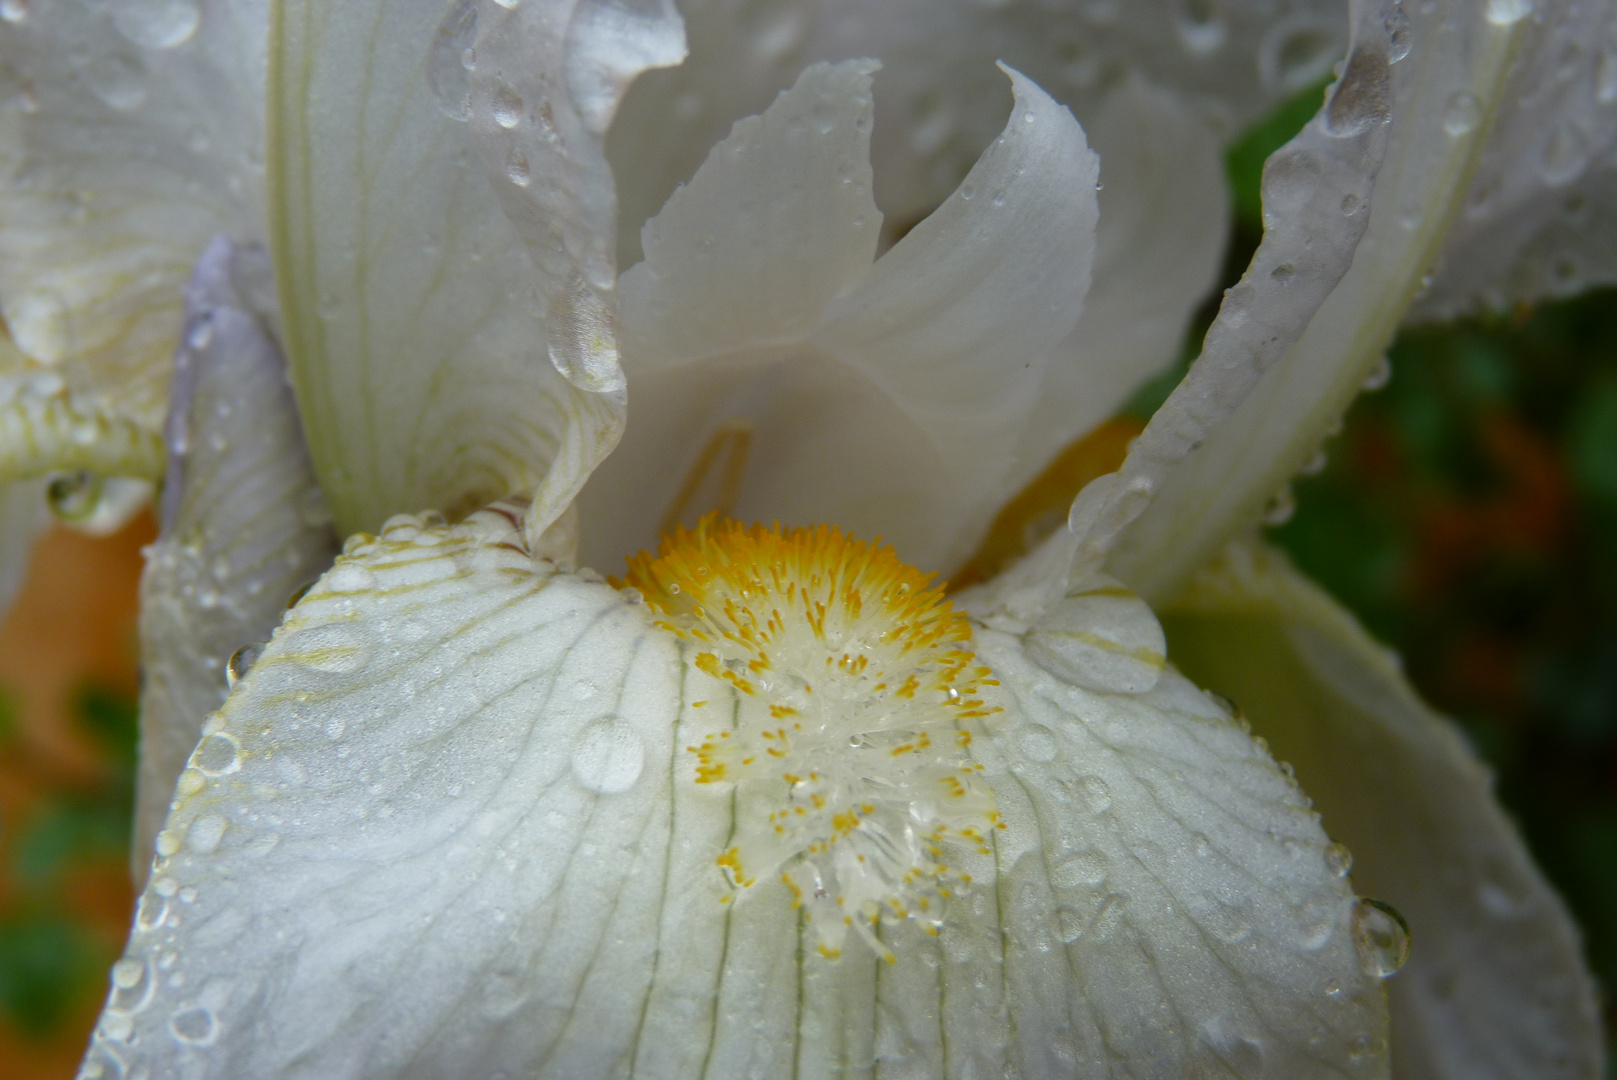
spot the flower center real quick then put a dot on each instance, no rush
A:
(851, 700)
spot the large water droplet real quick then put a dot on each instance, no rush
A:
(241, 661)
(217, 754)
(157, 24)
(195, 1025)
(608, 756)
(14, 11)
(1507, 12)
(582, 339)
(446, 64)
(1462, 113)
(205, 833)
(1090, 868)
(1037, 743)
(74, 496)
(507, 105)
(1100, 636)
(1381, 937)
(1362, 97)
(333, 648)
(1564, 156)
(516, 168)
(1338, 859)
(119, 80)
(350, 577)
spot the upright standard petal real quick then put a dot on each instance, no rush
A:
(778, 376)
(939, 100)
(1159, 245)
(130, 135)
(415, 318)
(448, 825)
(1496, 984)
(243, 523)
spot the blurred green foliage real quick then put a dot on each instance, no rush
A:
(50, 960)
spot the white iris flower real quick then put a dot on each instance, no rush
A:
(771, 805)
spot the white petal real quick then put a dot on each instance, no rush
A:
(1541, 212)
(892, 410)
(414, 317)
(545, 80)
(131, 134)
(244, 525)
(955, 322)
(1266, 392)
(939, 100)
(777, 223)
(1159, 245)
(1167, 892)
(1496, 984)
(446, 827)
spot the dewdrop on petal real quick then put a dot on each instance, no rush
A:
(849, 741)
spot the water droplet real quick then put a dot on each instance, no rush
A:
(1565, 155)
(350, 577)
(14, 11)
(607, 756)
(331, 647)
(1109, 917)
(241, 661)
(298, 594)
(1280, 507)
(1381, 937)
(1462, 114)
(1338, 859)
(509, 5)
(968, 191)
(157, 24)
(1379, 376)
(1399, 37)
(168, 842)
(205, 833)
(1201, 29)
(119, 80)
(195, 1025)
(217, 754)
(150, 912)
(1090, 869)
(1069, 925)
(1283, 273)
(516, 168)
(74, 496)
(1037, 743)
(446, 68)
(507, 106)
(1096, 796)
(1362, 97)
(582, 339)
(1507, 12)
(1606, 76)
